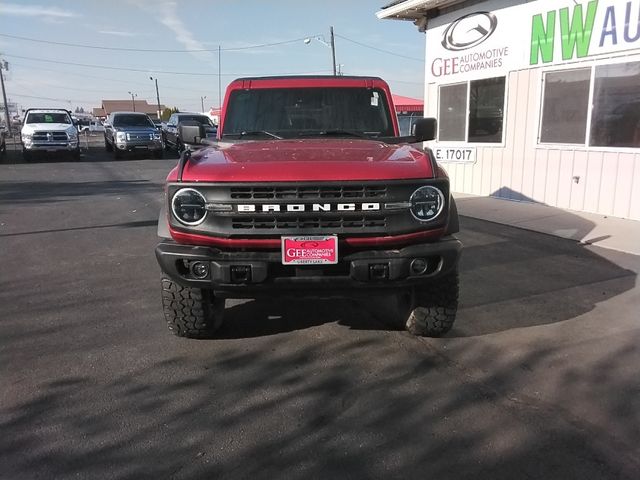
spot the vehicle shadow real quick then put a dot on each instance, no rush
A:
(94, 151)
(264, 317)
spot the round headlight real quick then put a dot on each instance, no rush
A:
(426, 203)
(188, 206)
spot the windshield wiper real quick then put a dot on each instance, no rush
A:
(337, 133)
(254, 133)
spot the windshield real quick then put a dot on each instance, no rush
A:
(201, 119)
(52, 117)
(292, 113)
(132, 121)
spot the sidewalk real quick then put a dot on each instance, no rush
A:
(589, 228)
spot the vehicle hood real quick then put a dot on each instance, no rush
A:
(137, 129)
(307, 160)
(49, 127)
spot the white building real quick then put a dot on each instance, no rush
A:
(535, 100)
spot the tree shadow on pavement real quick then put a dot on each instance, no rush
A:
(339, 408)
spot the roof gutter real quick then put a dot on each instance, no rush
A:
(415, 10)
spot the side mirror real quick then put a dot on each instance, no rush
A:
(425, 129)
(191, 132)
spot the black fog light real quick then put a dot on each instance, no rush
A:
(200, 269)
(240, 273)
(379, 271)
(418, 266)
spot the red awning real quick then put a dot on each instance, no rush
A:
(407, 104)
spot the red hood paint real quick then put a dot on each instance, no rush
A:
(307, 160)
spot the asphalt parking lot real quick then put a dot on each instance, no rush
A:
(538, 379)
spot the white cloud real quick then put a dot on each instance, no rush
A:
(35, 11)
(121, 33)
(168, 16)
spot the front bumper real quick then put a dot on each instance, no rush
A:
(132, 146)
(241, 274)
(69, 146)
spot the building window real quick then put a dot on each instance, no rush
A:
(472, 111)
(486, 106)
(452, 112)
(616, 106)
(615, 112)
(565, 106)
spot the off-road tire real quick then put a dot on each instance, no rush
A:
(26, 155)
(117, 154)
(107, 146)
(158, 153)
(190, 312)
(76, 155)
(432, 308)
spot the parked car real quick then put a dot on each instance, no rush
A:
(171, 134)
(131, 132)
(49, 130)
(92, 126)
(315, 195)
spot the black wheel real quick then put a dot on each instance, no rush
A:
(26, 155)
(190, 312)
(76, 154)
(430, 310)
(107, 146)
(117, 154)
(158, 153)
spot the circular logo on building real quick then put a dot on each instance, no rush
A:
(469, 30)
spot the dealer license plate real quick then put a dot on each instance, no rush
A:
(315, 250)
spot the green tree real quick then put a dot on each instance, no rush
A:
(167, 112)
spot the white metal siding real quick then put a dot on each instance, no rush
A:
(575, 178)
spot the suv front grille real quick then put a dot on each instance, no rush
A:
(50, 137)
(310, 192)
(332, 223)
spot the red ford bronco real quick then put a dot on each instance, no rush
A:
(308, 190)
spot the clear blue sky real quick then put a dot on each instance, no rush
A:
(194, 25)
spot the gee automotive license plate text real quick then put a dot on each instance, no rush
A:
(314, 250)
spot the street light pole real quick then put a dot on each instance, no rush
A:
(333, 50)
(133, 102)
(331, 44)
(202, 103)
(5, 66)
(157, 98)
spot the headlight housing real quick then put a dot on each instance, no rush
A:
(27, 136)
(427, 203)
(73, 134)
(121, 136)
(157, 136)
(189, 206)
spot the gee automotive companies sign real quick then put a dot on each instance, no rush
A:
(490, 40)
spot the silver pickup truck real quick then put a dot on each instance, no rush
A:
(131, 132)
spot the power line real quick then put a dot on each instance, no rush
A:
(116, 80)
(152, 50)
(66, 100)
(379, 49)
(151, 70)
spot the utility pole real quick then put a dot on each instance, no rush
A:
(333, 50)
(5, 66)
(133, 102)
(157, 98)
(219, 77)
(202, 103)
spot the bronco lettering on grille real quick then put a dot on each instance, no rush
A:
(313, 207)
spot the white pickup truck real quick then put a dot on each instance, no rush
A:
(49, 130)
